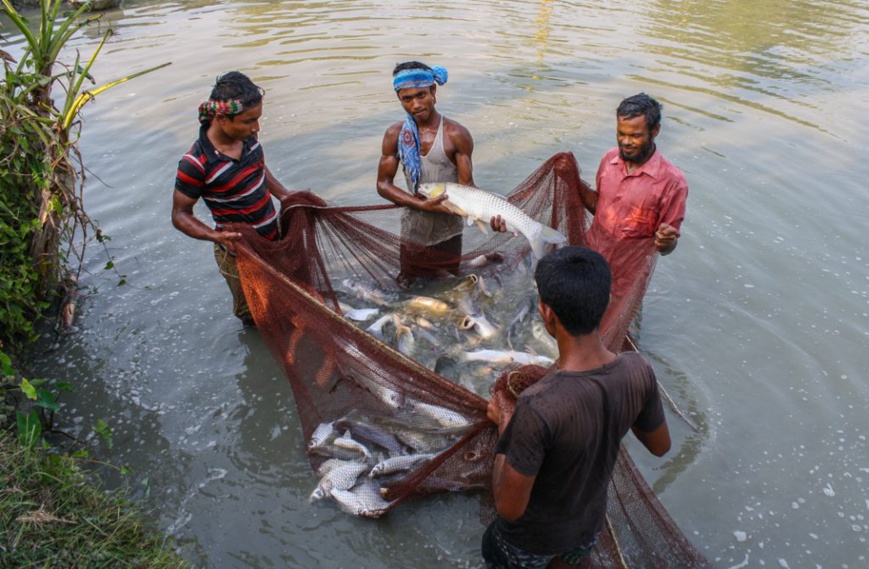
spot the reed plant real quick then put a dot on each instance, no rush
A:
(42, 216)
(52, 514)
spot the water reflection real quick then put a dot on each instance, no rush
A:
(771, 56)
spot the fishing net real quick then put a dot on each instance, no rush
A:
(391, 348)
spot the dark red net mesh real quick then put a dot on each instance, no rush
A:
(393, 403)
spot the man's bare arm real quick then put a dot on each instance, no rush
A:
(657, 441)
(186, 221)
(387, 168)
(512, 490)
(276, 188)
(463, 143)
(588, 196)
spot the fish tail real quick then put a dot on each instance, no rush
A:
(552, 236)
(547, 235)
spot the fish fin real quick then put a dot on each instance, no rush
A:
(455, 209)
(537, 246)
(481, 284)
(482, 226)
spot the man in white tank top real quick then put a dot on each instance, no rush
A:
(431, 148)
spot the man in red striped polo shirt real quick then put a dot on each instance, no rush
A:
(226, 168)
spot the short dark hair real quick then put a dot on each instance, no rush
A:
(237, 85)
(641, 104)
(409, 65)
(575, 282)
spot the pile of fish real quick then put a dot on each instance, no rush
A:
(465, 329)
(362, 453)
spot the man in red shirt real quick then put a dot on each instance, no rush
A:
(640, 194)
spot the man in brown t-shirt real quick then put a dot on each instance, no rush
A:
(557, 450)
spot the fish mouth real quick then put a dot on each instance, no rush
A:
(436, 190)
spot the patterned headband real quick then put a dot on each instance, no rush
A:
(212, 107)
(414, 78)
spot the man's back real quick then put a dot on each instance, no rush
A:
(567, 430)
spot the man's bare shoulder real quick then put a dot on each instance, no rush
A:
(393, 130)
(390, 138)
(454, 129)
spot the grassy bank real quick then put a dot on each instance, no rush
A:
(53, 515)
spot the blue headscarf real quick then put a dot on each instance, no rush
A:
(408, 139)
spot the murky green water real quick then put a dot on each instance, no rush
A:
(758, 324)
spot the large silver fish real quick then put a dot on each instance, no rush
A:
(367, 291)
(506, 357)
(399, 464)
(470, 284)
(430, 441)
(341, 477)
(357, 314)
(538, 330)
(480, 206)
(475, 319)
(526, 305)
(390, 397)
(363, 431)
(365, 499)
(346, 441)
(479, 324)
(329, 465)
(321, 434)
(446, 418)
(421, 439)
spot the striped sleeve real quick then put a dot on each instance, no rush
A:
(190, 179)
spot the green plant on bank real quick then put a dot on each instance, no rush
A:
(43, 225)
(22, 170)
(52, 515)
(49, 516)
(37, 415)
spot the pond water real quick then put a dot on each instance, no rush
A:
(757, 325)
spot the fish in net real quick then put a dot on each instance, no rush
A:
(391, 377)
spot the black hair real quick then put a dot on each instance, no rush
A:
(641, 104)
(237, 85)
(575, 282)
(409, 65)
